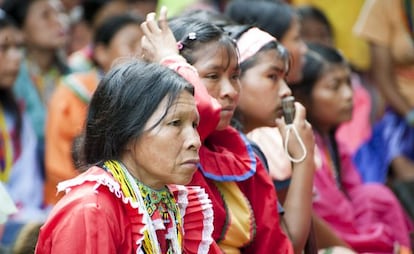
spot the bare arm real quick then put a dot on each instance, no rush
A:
(298, 203)
(384, 76)
(325, 236)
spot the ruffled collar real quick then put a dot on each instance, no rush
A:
(227, 155)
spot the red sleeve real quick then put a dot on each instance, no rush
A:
(208, 108)
(85, 223)
(269, 234)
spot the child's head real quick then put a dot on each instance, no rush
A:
(316, 27)
(264, 66)
(279, 20)
(325, 90)
(11, 42)
(215, 56)
(118, 36)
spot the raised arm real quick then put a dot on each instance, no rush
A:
(298, 202)
(159, 45)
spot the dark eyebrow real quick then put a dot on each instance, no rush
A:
(280, 71)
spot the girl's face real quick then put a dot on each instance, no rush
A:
(263, 87)
(218, 68)
(296, 48)
(44, 27)
(331, 98)
(11, 41)
(125, 43)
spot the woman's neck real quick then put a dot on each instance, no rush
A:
(43, 59)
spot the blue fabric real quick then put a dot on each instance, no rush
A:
(391, 137)
(25, 91)
(11, 231)
(281, 185)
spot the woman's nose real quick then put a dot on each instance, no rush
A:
(193, 139)
(230, 89)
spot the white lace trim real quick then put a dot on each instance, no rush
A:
(208, 227)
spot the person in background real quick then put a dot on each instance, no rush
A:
(279, 20)
(140, 140)
(45, 36)
(94, 12)
(316, 28)
(20, 172)
(367, 216)
(119, 36)
(386, 26)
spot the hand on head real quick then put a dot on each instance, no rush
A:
(158, 41)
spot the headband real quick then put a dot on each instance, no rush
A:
(251, 42)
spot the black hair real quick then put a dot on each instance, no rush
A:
(123, 102)
(273, 17)
(17, 9)
(204, 32)
(112, 25)
(90, 9)
(7, 98)
(211, 16)
(317, 60)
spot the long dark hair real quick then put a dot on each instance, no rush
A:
(318, 59)
(7, 98)
(122, 104)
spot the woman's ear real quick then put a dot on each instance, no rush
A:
(100, 55)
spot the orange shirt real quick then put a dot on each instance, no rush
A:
(67, 111)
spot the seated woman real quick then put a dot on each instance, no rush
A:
(367, 216)
(141, 138)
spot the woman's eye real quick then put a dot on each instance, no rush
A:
(235, 76)
(195, 125)
(212, 76)
(273, 77)
(175, 123)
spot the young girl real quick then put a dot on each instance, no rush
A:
(367, 216)
(19, 168)
(264, 64)
(279, 20)
(229, 170)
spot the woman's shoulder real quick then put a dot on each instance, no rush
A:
(227, 155)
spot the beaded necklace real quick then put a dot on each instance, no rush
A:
(6, 148)
(148, 198)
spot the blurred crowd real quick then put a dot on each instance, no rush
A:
(349, 63)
